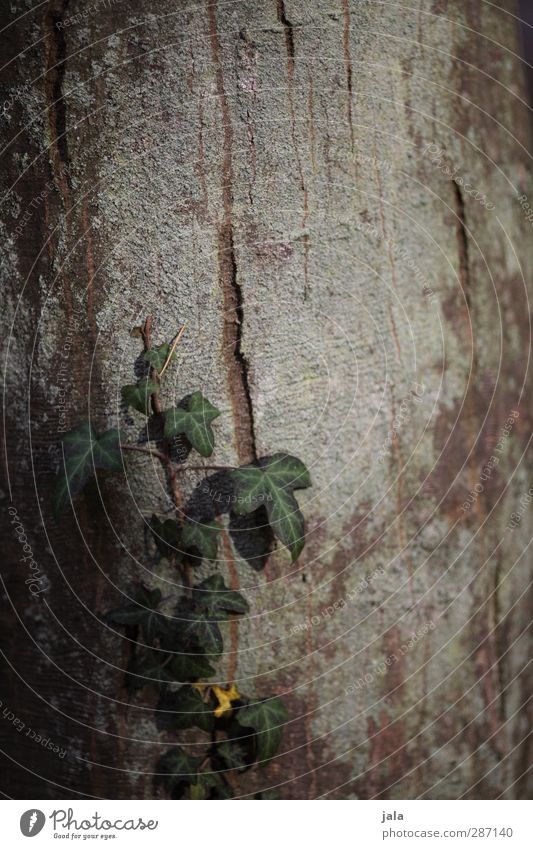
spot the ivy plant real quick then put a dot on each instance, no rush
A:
(179, 641)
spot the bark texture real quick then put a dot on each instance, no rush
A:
(257, 170)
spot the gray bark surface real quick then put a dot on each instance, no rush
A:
(256, 170)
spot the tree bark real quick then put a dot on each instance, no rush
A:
(261, 172)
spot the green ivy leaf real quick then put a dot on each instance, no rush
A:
(271, 483)
(150, 670)
(166, 536)
(141, 612)
(190, 667)
(266, 717)
(198, 790)
(233, 755)
(157, 670)
(106, 451)
(177, 770)
(183, 708)
(194, 420)
(84, 452)
(157, 357)
(202, 536)
(204, 632)
(209, 786)
(222, 791)
(217, 600)
(138, 395)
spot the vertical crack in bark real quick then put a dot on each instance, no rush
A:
(56, 56)
(238, 375)
(462, 241)
(348, 64)
(291, 54)
(54, 76)
(289, 33)
(238, 369)
(466, 286)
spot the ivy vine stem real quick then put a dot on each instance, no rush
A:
(179, 468)
(153, 451)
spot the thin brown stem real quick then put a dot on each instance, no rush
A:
(176, 493)
(147, 339)
(146, 332)
(205, 468)
(154, 452)
(172, 349)
(164, 456)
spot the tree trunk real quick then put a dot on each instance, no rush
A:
(263, 173)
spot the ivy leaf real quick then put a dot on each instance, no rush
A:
(203, 632)
(190, 667)
(149, 670)
(198, 790)
(217, 600)
(266, 717)
(252, 537)
(202, 536)
(166, 536)
(176, 770)
(271, 483)
(106, 451)
(183, 708)
(209, 786)
(157, 670)
(194, 420)
(141, 612)
(233, 755)
(137, 395)
(84, 452)
(157, 357)
(221, 791)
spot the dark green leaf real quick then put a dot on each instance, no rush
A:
(141, 612)
(194, 420)
(190, 667)
(167, 537)
(157, 669)
(84, 452)
(157, 357)
(107, 453)
(233, 755)
(176, 770)
(183, 708)
(216, 600)
(271, 483)
(203, 632)
(208, 785)
(266, 718)
(138, 395)
(150, 670)
(201, 536)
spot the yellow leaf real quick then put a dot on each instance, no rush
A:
(225, 698)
